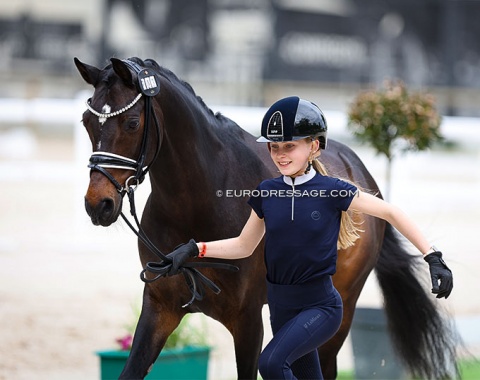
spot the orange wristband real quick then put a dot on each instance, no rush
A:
(203, 252)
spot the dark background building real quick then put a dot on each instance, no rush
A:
(249, 52)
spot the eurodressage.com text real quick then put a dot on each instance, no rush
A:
(286, 193)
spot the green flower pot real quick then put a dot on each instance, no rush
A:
(183, 363)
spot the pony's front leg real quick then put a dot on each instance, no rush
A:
(155, 324)
(247, 332)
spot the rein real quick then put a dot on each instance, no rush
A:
(101, 161)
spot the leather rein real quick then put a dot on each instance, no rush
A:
(149, 85)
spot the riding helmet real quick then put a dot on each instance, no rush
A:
(291, 119)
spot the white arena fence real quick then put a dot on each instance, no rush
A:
(23, 112)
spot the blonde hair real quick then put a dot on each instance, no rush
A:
(350, 221)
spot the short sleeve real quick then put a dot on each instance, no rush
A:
(255, 203)
(344, 194)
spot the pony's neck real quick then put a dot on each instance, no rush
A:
(189, 150)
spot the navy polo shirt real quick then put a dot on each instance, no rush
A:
(302, 222)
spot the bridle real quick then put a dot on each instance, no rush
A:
(149, 85)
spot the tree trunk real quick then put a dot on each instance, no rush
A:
(388, 179)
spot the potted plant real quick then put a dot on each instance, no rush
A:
(184, 356)
(392, 119)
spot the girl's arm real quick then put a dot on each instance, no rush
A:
(371, 205)
(237, 247)
(441, 275)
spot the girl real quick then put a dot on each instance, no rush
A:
(305, 308)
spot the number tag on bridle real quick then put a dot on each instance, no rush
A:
(148, 82)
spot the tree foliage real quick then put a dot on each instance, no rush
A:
(380, 117)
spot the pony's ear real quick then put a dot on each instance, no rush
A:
(90, 74)
(122, 70)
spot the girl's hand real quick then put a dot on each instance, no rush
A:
(439, 272)
(181, 254)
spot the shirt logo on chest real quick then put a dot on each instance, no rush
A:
(316, 215)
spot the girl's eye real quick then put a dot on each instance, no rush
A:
(284, 147)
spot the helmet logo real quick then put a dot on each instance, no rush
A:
(275, 127)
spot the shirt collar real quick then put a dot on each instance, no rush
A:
(300, 179)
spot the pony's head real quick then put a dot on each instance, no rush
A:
(123, 130)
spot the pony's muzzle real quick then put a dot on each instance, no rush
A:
(103, 203)
(103, 213)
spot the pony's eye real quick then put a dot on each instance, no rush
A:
(133, 124)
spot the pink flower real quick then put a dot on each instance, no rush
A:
(125, 342)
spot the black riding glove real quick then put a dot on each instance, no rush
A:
(439, 272)
(181, 254)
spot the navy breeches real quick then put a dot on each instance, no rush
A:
(303, 317)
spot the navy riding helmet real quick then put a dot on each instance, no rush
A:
(293, 118)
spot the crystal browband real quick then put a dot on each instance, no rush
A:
(111, 114)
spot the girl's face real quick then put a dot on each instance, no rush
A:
(291, 157)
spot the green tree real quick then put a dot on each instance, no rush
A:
(391, 119)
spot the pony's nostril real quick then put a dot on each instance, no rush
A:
(106, 207)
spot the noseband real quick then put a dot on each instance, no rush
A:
(149, 85)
